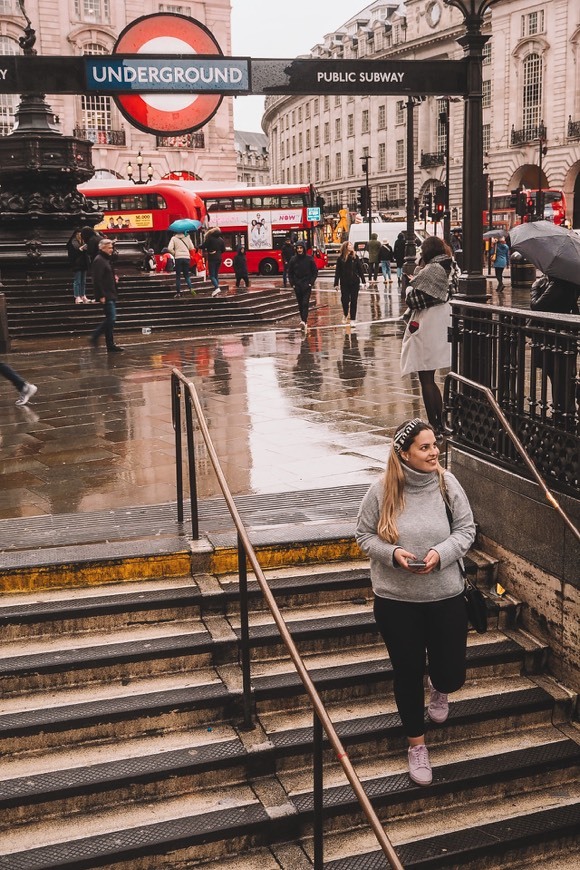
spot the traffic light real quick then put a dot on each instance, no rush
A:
(514, 194)
(363, 200)
(522, 204)
(428, 201)
(440, 201)
(530, 204)
(423, 213)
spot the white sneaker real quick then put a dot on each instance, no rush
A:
(419, 765)
(353, 322)
(216, 292)
(26, 393)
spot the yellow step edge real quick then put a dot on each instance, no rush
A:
(225, 560)
(99, 572)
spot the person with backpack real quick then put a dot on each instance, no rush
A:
(77, 256)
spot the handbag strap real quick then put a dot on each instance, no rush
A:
(450, 521)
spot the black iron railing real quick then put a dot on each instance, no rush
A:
(183, 393)
(436, 158)
(529, 362)
(100, 137)
(527, 134)
(573, 128)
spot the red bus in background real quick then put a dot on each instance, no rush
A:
(142, 211)
(261, 218)
(504, 215)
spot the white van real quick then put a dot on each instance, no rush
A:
(359, 233)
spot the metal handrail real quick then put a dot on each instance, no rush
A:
(550, 498)
(321, 717)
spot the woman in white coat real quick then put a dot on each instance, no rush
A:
(425, 343)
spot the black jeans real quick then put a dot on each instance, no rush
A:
(414, 632)
(349, 299)
(373, 271)
(108, 324)
(8, 372)
(303, 292)
(182, 267)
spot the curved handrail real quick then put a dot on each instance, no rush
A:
(550, 498)
(317, 703)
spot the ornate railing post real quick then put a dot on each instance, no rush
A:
(472, 281)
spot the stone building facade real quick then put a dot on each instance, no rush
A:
(531, 86)
(76, 27)
(252, 158)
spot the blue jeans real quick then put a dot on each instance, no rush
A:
(182, 268)
(79, 284)
(214, 267)
(386, 269)
(108, 324)
(7, 372)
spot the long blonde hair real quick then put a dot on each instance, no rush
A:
(394, 488)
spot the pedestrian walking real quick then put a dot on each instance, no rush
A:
(25, 389)
(181, 246)
(500, 261)
(287, 254)
(399, 254)
(105, 286)
(373, 248)
(91, 239)
(425, 346)
(302, 273)
(349, 275)
(241, 267)
(214, 246)
(415, 524)
(77, 256)
(385, 257)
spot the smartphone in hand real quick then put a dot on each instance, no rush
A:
(416, 564)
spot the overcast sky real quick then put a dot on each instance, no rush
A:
(281, 28)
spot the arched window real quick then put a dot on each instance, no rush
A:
(96, 111)
(532, 96)
(8, 102)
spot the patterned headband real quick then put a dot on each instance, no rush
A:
(401, 436)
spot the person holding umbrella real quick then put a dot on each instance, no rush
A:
(180, 247)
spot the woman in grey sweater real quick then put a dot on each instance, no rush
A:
(414, 543)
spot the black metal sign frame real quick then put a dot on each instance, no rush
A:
(116, 75)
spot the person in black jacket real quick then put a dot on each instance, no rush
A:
(399, 252)
(214, 246)
(287, 254)
(105, 287)
(349, 274)
(302, 273)
(241, 267)
(77, 256)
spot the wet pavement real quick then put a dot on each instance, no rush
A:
(286, 413)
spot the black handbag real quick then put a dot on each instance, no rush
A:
(475, 603)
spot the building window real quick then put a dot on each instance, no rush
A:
(442, 107)
(8, 102)
(486, 51)
(299, 114)
(317, 169)
(326, 168)
(307, 110)
(326, 131)
(382, 120)
(287, 121)
(293, 144)
(533, 23)
(293, 117)
(486, 134)
(96, 111)
(403, 190)
(338, 165)
(326, 103)
(400, 154)
(316, 136)
(307, 139)
(337, 101)
(382, 157)
(486, 92)
(350, 125)
(365, 121)
(300, 147)
(350, 163)
(337, 128)
(400, 112)
(98, 11)
(393, 192)
(300, 178)
(172, 7)
(532, 97)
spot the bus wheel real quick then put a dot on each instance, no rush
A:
(268, 267)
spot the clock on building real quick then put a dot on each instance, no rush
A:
(433, 14)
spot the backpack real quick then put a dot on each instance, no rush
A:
(169, 264)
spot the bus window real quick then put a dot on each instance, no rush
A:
(233, 240)
(156, 201)
(271, 202)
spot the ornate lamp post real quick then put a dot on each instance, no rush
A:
(472, 281)
(139, 162)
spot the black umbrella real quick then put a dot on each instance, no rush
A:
(552, 249)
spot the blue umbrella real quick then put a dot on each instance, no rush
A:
(184, 225)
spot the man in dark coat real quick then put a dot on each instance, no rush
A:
(302, 273)
(287, 254)
(105, 289)
(399, 252)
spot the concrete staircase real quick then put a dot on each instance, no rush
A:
(47, 308)
(121, 745)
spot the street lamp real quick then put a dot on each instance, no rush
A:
(139, 162)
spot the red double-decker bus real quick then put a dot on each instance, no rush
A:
(261, 218)
(142, 212)
(504, 215)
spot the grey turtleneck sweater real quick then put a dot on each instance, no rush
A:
(422, 526)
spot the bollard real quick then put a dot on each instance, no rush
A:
(522, 273)
(4, 336)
